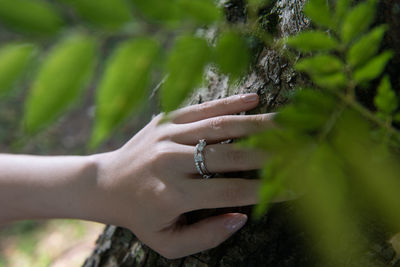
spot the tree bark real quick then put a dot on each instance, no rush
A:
(276, 239)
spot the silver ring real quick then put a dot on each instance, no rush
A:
(199, 160)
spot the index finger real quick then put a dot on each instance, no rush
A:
(225, 106)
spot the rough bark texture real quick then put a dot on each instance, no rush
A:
(275, 240)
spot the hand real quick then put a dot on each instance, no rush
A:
(151, 181)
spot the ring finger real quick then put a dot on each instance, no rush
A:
(223, 158)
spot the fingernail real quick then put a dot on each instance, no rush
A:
(247, 98)
(235, 223)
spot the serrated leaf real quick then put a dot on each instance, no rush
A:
(30, 16)
(232, 54)
(102, 13)
(165, 12)
(358, 20)
(63, 74)
(366, 47)
(320, 65)
(312, 41)
(185, 66)
(14, 59)
(201, 11)
(124, 85)
(386, 99)
(319, 13)
(373, 68)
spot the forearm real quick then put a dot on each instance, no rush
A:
(33, 187)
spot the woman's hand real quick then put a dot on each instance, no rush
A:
(151, 181)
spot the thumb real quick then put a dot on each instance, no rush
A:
(205, 234)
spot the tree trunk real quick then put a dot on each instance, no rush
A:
(276, 239)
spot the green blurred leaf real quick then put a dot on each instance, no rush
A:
(232, 54)
(299, 119)
(312, 41)
(165, 12)
(14, 59)
(272, 184)
(336, 80)
(319, 13)
(30, 16)
(371, 166)
(325, 207)
(103, 13)
(396, 117)
(320, 65)
(358, 20)
(309, 111)
(366, 47)
(185, 67)
(373, 68)
(341, 9)
(124, 85)
(386, 99)
(64, 73)
(201, 11)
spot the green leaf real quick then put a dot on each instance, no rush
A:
(312, 41)
(185, 67)
(373, 68)
(64, 73)
(319, 13)
(325, 206)
(232, 54)
(103, 13)
(320, 65)
(300, 118)
(308, 111)
(386, 99)
(124, 85)
(272, 184)
(165, 12)
(14, 59)
(333, 81)
(201, 11)
(358, 20)
(366, 47)
(30, 16)
(341, 9)
(396, 117)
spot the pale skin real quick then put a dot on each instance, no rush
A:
(147, 184)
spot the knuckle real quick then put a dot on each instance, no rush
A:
(231, 192)
(236, 157)
(259, 120)
(226, 102)
(162, 153)
(204, 107)
(217, 123)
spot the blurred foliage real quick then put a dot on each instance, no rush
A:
(328, 147)
(67, 38)
(345, 155)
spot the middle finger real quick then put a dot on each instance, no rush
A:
(221, 128)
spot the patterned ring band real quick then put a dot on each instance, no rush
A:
(199, 160)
